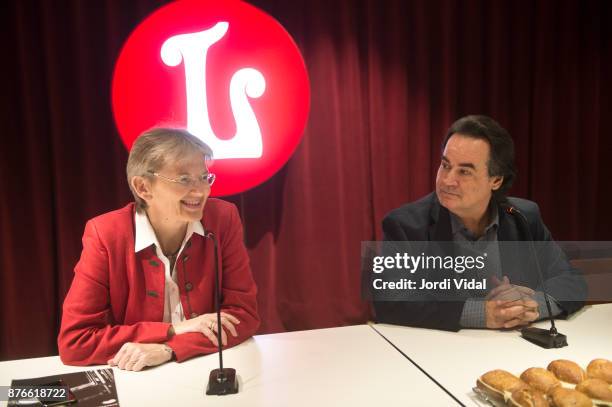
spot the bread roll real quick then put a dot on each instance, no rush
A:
(600, 369)
(567, 371)
(562, 397)
(528, 398)
(596, 389)
(540, 379)
(499, 384)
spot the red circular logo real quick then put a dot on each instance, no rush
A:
(225, 71)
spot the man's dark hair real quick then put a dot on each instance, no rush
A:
(501, 156)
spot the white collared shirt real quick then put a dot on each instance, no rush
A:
(145, 237)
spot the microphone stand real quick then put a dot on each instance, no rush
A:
(221, 381)
(545, 338)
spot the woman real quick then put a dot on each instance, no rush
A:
(143, 290)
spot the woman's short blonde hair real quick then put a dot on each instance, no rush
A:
(154, 148)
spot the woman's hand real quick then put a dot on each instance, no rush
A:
(206, 324)
(136, 356)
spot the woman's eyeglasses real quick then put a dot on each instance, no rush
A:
(188, 181)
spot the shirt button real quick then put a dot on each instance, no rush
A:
(153, 263)
(185, 259)
(188, 286)
(194, 314)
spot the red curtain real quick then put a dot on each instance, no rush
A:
(387, 79)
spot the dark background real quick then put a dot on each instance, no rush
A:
(387, 79)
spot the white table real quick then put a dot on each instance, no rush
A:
(455, 360)
(348, 366)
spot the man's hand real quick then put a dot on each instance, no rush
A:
(508, 292)
(136, 356)
(510, 314)
(206, 324)
(510, 306)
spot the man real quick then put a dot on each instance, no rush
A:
(469, 206)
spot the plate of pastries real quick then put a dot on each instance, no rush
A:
(562, 384)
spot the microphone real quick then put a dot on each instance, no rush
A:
(221, 381)
(544, 338)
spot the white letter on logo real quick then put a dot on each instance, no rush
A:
(247, 82)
